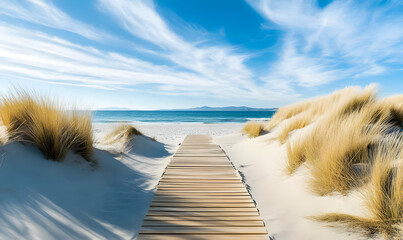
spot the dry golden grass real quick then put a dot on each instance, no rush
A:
(354, 143)
(253, 129)
(312, 108)
(359, 224)
(340, 139)
(395, 103)
(122, 134)
(46, 124)
(383, 195)
(336, 148)
(296, 155)
(297, 122)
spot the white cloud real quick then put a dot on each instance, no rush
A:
(301, 69)
(43, 12)
(27, 54)
(218, 63)
(346, 38)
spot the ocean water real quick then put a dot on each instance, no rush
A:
(180, 116)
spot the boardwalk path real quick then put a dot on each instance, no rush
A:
(201, 196)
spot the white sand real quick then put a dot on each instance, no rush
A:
(285, 201)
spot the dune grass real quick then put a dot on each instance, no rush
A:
(296, 155)
(313, 108)
(45, 123)
(383, 195)
(122, 134)
(253, 129)
(395, 104)
(355, 143)
(340, 145)
(297, 122)
(340, 139)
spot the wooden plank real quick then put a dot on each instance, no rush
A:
(203, 230)
(204, 190)
(227, 169)
(201, 218)
(202, 237)
(189, 171)
(198, 185)
(207, 205)
(195, 196)
(231, 176)
(202, 214)
(178, 193)
(196, 209)
(185, 155)
(201, 200)
(202, 175)
(201, 180)
(190, 223)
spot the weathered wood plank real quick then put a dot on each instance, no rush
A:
(194, 223)
(202, 214)
(197, 209)
(201, 180)
(201, 200)
(201, 218)
(202, 237)
(198, 185)
(204, 230)
(202, 205)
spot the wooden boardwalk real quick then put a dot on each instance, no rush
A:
(201, 196)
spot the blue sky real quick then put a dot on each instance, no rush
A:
(184, 53)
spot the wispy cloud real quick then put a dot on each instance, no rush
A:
(218, 63)
(208, 70)
(33, 55)
(43, 12)
(343, 39)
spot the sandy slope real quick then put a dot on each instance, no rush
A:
(41, 199)
(285, 201)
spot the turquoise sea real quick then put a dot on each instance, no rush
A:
(180, 116)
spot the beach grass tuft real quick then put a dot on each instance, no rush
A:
(298, 122)
(47, 124)
(122, 134)
(253, 129)
(383, 195)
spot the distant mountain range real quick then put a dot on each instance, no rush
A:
(204, 108)
(231, 108)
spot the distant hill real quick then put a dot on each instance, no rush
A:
(204, 108)
(230, 108)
